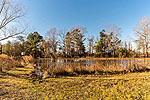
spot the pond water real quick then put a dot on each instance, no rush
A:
(123, 63)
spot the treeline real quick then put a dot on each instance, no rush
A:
(72, 44)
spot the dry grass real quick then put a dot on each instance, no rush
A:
(5, 56)
(28, 60)
(7, 62)
(102, 66)
(132, 86)
(15, 84)
(93, 58)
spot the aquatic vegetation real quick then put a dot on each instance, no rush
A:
(93, 66)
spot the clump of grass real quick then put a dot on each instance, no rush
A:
(28, 60)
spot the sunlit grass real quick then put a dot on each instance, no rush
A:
(108, 87)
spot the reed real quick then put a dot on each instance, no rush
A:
(102, 66)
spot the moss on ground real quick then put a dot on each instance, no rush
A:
(15, 85)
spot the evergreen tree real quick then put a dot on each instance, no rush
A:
(8, 48)
(109, 42)
(33, 44)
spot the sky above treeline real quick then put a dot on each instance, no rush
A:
(95, 15)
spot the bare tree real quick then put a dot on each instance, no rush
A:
(90, 44)
(140, 46)
(74, 42)
(61, 41)
(51, 37)
(114, 32)
(10, 14)
(45, 45)
(143, 32)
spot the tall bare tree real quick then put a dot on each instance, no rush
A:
(10, 14)
(90, 44)
(143, 32)
(61, 42)
(51, 37)
(74, 42)
(114, 32)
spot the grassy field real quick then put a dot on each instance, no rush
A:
(15, 85)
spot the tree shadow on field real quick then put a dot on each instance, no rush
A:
(9, 74)
(20, 66)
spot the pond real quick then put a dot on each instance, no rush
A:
(123, 63)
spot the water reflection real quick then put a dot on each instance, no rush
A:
(122, 63)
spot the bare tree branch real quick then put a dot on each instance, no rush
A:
(12, 35)
(10, 13)
(143, 32)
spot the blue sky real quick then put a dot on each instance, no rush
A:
(95, 15)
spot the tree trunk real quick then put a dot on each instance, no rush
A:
(147, 51)
(147, 54)
(1, 69)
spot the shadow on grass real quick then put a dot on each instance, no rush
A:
(9, 74)
(73, 74)
(4, 93)
(85, 72)
(20, 66)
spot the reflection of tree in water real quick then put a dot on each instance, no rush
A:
(61, 65)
